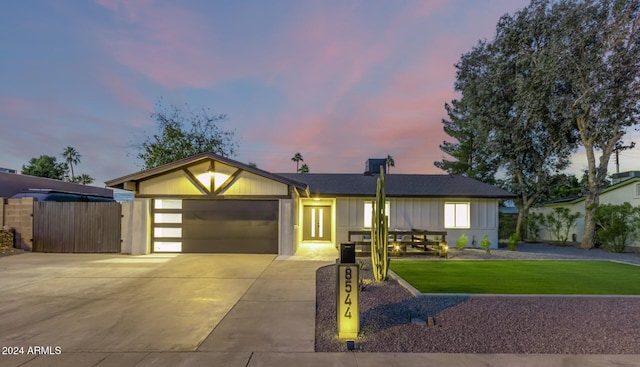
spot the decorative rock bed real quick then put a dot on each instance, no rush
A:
(485, 324)
(6, 239)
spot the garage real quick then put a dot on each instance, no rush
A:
(209, 204)
(215, 226)
(230, 226)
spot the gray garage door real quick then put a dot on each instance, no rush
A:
(230, 226)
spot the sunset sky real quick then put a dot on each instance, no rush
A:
(338, 81)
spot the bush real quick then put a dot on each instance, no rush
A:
(486, 244)
(559, 222)
(616, 225)
(461, 243)
(532, 225)
(513, 241)
(506, 225)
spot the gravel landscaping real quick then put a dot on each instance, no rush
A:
(485, 324)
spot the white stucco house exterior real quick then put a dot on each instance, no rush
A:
(212, 204)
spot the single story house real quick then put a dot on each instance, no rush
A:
(212, 204)
(623, 190)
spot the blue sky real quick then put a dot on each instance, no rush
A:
(338, 81)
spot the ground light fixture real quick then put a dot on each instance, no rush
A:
(351, 345)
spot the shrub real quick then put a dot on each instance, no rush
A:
(486, 244)
(616, 225)
(361, 264)
(461, 243)
(513, 241)
(559, 222)
(506, 224)
(533, 224)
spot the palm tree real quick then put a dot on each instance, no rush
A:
(304, 169)
(72, 157)
(85, 179)
(297, 158)
(390, 162)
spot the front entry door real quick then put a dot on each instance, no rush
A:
(317, 223)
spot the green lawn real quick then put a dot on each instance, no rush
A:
(520, 277)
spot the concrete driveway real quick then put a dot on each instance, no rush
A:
(119, 303)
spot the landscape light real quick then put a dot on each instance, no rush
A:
(351, 345)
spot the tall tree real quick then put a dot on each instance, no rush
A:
(507, 117)
(390, 162)
(297, 158)
(183, 133)
(304, 169)
(84, 179)
(45, 166)
(598, 53)
(529, 128)
(563, 185)
(472, 158)
(72, 157)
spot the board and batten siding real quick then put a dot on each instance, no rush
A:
(422, 213)
(177, 183)
(252, 184)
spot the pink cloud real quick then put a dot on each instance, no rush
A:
(124, 92)
(352, 91)
(164, 43)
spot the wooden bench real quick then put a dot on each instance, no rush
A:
(400, 240)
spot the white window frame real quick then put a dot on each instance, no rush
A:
(457, 217)
(368, 211)
(638, 190)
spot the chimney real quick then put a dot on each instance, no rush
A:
(372, 166)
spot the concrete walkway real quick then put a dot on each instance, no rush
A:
(267, 320)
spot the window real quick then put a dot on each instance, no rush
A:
(638, 190)
(167, 232)
(167, 229)
(368, 212)
(162, 246)
(456, 215)
(167, 218)
(167, 204)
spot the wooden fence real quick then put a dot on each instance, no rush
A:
(76, 227)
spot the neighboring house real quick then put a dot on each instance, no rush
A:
(625, 190)
(18, 193)
(8, 170)
(209, 203)
(12, 184)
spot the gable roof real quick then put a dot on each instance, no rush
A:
(199, 158)
(398, 185)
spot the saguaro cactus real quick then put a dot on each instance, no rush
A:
(380, 233)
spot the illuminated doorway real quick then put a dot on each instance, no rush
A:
(316, 223)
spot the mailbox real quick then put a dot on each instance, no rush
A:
(348, 253)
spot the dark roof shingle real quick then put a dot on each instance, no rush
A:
(397, 185)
